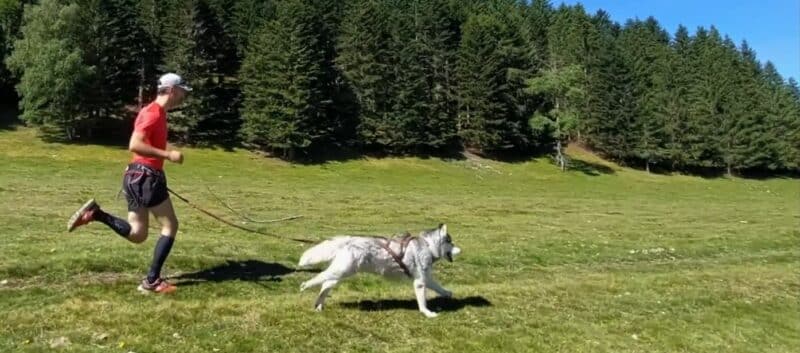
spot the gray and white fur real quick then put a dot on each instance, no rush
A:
(349, 255)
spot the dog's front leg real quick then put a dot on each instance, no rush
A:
(436, 287)
(419, 290)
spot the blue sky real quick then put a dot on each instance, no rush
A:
(771, 27)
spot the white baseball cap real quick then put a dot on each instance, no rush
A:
(170, 80)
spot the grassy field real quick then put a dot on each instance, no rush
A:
(601, 259)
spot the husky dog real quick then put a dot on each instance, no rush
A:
(408, 256)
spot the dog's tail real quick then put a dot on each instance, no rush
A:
(322, 252)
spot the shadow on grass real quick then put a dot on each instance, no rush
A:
(589, 168)
(435, 304)
(235, 270)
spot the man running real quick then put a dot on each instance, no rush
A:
(145, 184)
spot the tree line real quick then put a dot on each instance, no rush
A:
(497, 77)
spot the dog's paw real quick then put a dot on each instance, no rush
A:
(303, 286)
(446, 294)
(430, 314)
(318, 308)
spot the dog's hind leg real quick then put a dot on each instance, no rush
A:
(338, 263)
(315, 281)
(341, 267)
(327, 286)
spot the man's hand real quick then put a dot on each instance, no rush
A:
(175, 157)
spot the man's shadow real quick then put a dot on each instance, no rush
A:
(235, 270)
(435, 304)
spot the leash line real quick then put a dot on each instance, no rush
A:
(245, 217)
(246, 229)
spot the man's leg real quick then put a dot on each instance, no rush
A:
(139, 221)
(134, 230)
(165, 214)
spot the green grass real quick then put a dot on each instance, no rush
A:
(583, 261)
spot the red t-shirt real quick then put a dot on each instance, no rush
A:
(152, 122)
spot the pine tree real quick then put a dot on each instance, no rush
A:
(282, 82)
(697, 130)
(202, 52)
(152, 55)
(423, 106)
(182, 33)
(218, 114)
(599, 42)
(708, 92)
(477, 83)
(603, 120)
(438, 29)
(609, 93)
(536, 22)
(782, 117)
(5, 75)
(248, 16)
(729, 127)
(725, 127)
(665, 105)
(405, 94)
(339, 104)
(794, 88)
(566, 37)
(11, 12)
(674, 101)
(645, 51)
(489, 114)
(10, 20)
(367, 61)
(746, 140)
(112, 42)
(410, 103)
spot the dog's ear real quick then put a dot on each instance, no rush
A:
(442, 228)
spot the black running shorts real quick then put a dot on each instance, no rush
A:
(144, 187)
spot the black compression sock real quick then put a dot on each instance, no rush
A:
(117, 224)
(163, 247)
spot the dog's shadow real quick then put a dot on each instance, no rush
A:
(435, 304)
(236, 270)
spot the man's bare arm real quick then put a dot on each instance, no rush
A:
(138, 146)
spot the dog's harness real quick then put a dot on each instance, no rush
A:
(407, 238)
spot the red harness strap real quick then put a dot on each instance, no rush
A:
(398, 258)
